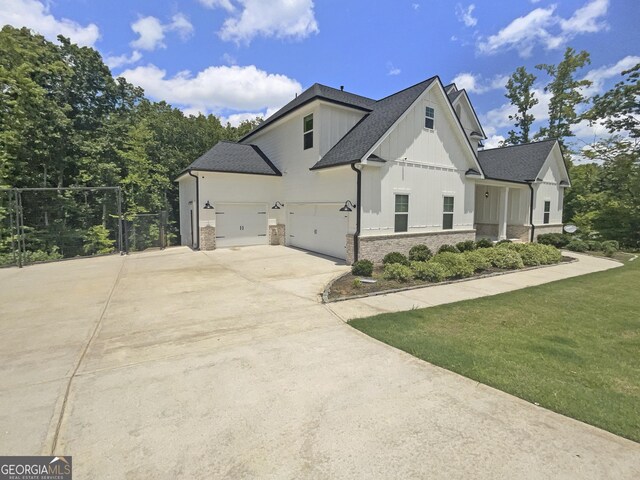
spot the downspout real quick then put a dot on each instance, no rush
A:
(356, 235)
(197, 210)
(533, 227)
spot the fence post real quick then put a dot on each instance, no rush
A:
(11, 212)
(120, 221)
(22, 249)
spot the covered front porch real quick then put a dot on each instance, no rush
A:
(502, 211)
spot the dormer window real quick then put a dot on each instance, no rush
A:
(308, 131)
(429, 118)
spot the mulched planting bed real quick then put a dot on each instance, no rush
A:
(344, 286)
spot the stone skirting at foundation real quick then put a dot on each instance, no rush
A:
(374, 248)
(551, 228)
(208, 238)
(520, 232)
(486, 230)
(276, 234)
(350, 249)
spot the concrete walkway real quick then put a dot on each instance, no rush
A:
(225, 364)
(467, 290)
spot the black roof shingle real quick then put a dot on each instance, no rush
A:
(517, 163)
(233, 157)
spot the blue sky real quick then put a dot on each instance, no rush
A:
(241, 58)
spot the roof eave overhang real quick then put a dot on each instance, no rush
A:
(209, 170)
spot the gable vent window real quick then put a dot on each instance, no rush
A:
(429, 118)
(402, 213)
(547, 211)
(447, 213)
(308, 131)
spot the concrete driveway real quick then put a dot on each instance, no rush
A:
(224, 364)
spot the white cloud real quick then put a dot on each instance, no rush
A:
(465, 15)
(415, 6)
(236, 119)
(121, 60)
(543, 27)
(226, 4)
(216, 88)
(598, 76)
(494, 141)
(276, 18)
(229, 59)
(477, 84)
(36, 16)
(152, 32)
(392, 70)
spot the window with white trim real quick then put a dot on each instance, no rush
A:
(401, 223)
(429, 118)
(307, 123)
(547, 211)
(447, 213)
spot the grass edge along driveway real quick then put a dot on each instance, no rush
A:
(572, 346)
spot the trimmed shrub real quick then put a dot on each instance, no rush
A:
(594, 245)
(362, 268)
(429, 271)
(506, 258)
(576, 245)
(466, 246)
(533, 254)
(558, 240)
(484, 243)
(502, 242)
(420, 253)
(455, 264)
(479, 260)
(611, 243)
(357, 283)
(397, 271)
(609, 250)
(395, 257)
(448, 248)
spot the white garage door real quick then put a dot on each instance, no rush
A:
(241, 224)
(319, 228)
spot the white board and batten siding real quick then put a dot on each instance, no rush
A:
(425, 164)
(487, 204)
(187, 195)
(552, 173)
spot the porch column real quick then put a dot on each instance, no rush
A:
(503, 214)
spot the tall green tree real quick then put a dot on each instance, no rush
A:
(566, 94)
(520, 93)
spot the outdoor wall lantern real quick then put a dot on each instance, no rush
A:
(486, 194)
(277, 205)
(208, 206)
(348, 206)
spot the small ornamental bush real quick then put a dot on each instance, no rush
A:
(357, 283)
(558, 240)
(448, 248)
(479, 260)
(505, 258)
(594, 245)
(504, 241)
(576, 245)
(466, 246)
(455, 264)
(420, 253)
(533, 254)
(362, 268)
(612, 244)
(397, 271)
(609, 250)
(484, 243)
(429, 271)
(395, 257)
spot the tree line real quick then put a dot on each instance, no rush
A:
(66, 121)
(604, 199)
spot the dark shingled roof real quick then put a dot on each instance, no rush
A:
(317, 91)
(235, 158)
(454, 95)
(363, 136)
(517, 163)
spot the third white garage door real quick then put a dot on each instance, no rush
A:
(319, 228)
(239, 224)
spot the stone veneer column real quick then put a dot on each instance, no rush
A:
(276, 234)
(208, 238)
(350, 249)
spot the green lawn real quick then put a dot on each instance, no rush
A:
(571, 346)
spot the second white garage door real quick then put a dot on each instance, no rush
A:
(240, 224)
(319, 228)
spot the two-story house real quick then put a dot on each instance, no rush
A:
(353, 178)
